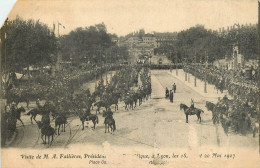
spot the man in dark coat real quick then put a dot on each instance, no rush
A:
(171, 96)
(174, 87)
(167, 93)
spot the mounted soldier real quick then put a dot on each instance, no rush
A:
(192, 104)
(109, 114)
(13, 109)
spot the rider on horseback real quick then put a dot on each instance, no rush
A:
(109, 114)
(13, 109)
(191, 106)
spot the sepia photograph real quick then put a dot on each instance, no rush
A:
(130, 83)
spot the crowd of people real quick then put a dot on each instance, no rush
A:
(236, 114)
(232, 80)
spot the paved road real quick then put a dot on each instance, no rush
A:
(157, 123)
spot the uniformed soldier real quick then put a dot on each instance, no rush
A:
(192, 104)
(109, 114)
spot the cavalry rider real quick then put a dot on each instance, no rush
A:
(13, 109)
(38, 103)
(192, 104)
(109, 114)
(167, 93)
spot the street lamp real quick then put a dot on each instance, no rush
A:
(205, 77)
(186, 69)
(195, 79)
(176, 63)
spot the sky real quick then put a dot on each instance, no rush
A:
(125, 16)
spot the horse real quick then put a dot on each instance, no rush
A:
(34, 112)
(139, 96)
(211, 107)
(46, 109)
(217, 112)
(135, 98)
(129, 101)
(114, 100)
(87, 117)
(46, 130)
(100, 104)
(17, 114)
(18, 98)
(109, 123)
(61, 120)
(225, 122)
(188, 111)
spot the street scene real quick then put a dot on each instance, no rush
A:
(154, 119)
(68, 84)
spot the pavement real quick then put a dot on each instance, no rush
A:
(212, 93)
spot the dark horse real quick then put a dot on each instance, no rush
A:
(46, 130)
(114, 99)
(129, 102)
(212, 107)
(45, 110)
(17, 114)
(34, 112)
(109, 123)
(60, 120)
(100, 104)
(188, 111)
(87, 117)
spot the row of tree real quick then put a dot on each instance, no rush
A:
(196, 42)
(92, 45)
(26, 43)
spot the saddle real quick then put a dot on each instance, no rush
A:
(191, 111)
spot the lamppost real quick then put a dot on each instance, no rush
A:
(185, 65)
(195, 79)
(205, 77)
(176, 63)
(188, 77)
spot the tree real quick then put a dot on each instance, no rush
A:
(91, 44)
(28, 43)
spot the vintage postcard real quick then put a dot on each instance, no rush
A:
(133, 83)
